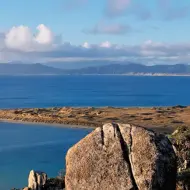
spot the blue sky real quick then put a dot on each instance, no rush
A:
(151, 31)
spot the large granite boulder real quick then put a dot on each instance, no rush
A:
(121, 157)
(37, 180)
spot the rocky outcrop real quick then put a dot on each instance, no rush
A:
(183, 180)
(26, 188)
(37, 180)
(121, 157)
(181, 142)
(55, 184)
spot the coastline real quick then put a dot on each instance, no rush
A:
(46, 124)
(160, 119)
(127, 74)
(137, 75)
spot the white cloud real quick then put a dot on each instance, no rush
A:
(45, 35)
(86, 45)
(21, 44)
(21, 38)
(106, 44)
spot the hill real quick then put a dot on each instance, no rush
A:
(118, 69)
(178, 69)
(28, 69)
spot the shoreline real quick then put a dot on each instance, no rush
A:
(46, 124)
(130, 75)
(160, 119)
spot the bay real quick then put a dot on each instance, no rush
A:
(24, 147)
(40, 147)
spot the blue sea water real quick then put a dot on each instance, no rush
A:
(24, 146)
(47, 91)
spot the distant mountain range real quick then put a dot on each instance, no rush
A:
(27, 69)
(117, 69)
(137, 69)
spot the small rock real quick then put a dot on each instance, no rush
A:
(179, 106)
(26, 188)
(37, 180)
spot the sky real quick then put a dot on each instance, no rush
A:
(47, 31)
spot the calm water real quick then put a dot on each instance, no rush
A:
(26, 147)
(93, 91)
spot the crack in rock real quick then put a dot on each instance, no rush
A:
(126, 153)
(102, 136)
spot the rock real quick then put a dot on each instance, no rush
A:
(179, 106)
(55, 184)
(37, 180)
(26, 188)
(183, 180)
(121, 157)
(181, 142)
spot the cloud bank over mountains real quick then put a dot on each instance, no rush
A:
(20, 44)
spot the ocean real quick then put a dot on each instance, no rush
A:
(24, 147)
(48, 91)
